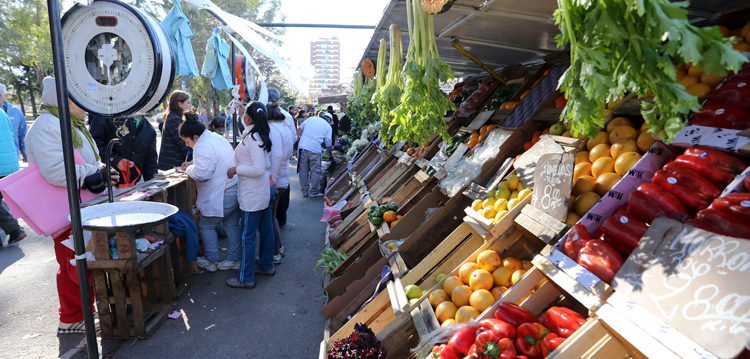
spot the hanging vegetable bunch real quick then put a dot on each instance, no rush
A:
(422, 108)
(630, 46)
(360, 109)
(388, 95)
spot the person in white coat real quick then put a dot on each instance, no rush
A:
(253, 159)
(281, 152)
(217, 194)
(44, 147)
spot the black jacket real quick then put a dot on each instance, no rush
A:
(138, 145)
(173, 149)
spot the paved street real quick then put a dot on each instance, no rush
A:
(279, 318)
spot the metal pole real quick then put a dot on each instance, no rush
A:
(235, 125)
(58, 59)
(329, 26)
(476, 60)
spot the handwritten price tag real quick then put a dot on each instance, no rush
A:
(552, 182)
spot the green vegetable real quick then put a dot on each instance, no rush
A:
(421, 111)
(360, 109)
(330, 259)
(388, 96)
(631, 46)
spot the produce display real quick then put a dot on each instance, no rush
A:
(330, 259)
(388, 95)
(727, 106)
(360, 344)
(513, 333)
(383, 213)
(502, 95)
(360, 107)
(508, 194)
(473, 102)
(477, 137)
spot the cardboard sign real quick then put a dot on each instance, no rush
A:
(553, 178)
(526, 163)
(693, 280)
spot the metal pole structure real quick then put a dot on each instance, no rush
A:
(476, 60)
(235, 125)
(58, 59)
(328, 26)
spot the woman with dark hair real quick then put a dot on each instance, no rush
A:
(217, 194)
(280, 155)
(173, 150)
(253, 159)
(217, 125)
(300, 117)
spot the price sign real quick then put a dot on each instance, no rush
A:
(553, 177)
(693, 280)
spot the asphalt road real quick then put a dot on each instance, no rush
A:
(281, 317)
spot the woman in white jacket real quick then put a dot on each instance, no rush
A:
(281, 136)
(253, 159)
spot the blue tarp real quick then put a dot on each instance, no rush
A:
(215, 65)
(177, 26)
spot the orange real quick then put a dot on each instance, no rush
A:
(699, 90)
(619, 148)
(601, 137)
(625, 162)
(583, 184)
(481, 300)
(465, 271)
(512, 263)
(745, 31)
(498, 291)
(618, 121)
(741, 46)
(711, 79)
(501, 276)
(460, 295)
(517, 276)
(688, 81)
(447, 323)
(389, 216)
(466, 313)
(438, 296)
(572, 218)
(605, 182)
(481, 279)
(526, 264)
(622, 134)
(680, 73)
(581, 169)
(585, 201)
(450, 283)
(445, 310)
(645, 141)
(489, 260)
(694, 70)
(602, 165)
(599, 151)
(582, 156)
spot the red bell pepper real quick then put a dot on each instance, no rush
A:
(705, 189)
(575, 240)
(622, 231)
(714, 220)
(492, 345)
(529, 341)
(462, 340)
(562, 321)
(735, 204)
(732, 94)
(691, 188)
(650, 201)
(500, 327)
(721, 116)
(550, 342)
(472, 352)
(441, 352)
(513, 314)
(601, 259)
(703, 167)
(718, 159)
(746, 183)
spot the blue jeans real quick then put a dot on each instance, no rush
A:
(231, 224)
(253, 222)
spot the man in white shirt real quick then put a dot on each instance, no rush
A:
(314, 134)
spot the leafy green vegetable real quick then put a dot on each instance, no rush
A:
(360, 109)
(388, 96)
(422, 108)
(631, 46)
(330, 259)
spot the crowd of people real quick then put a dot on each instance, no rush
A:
(242, 192)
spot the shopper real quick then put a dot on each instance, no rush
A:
(300, 117)
(44, 146)
(173, 150)
(314, 135)
(17, 121)
(8, 165)
(137, 148)
(253, 161)
(334, 124)
(217, 194)
(281, 153)
(217, 125)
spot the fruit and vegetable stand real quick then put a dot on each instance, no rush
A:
(616, 233)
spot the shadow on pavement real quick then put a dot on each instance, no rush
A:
(9, 255)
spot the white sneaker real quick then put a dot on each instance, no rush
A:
(206, 264)
(228, 265)
(277, 259)
(282, 251)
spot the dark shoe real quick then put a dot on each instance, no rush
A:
(71, 328)
(17, 235)
(304, 194)
(235, 283)
(269, 273)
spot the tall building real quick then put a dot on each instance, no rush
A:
(325, 57)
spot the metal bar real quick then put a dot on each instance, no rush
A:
(476, 61)
(328, 26)
(66, 134)
(235, 126)
(500, 45)
(507, 13)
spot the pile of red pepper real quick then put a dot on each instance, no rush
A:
(513, 333)
(728, 105)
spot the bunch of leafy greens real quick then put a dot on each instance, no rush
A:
(360, 109)
(422, 108)
(388, 96)
(631, 46)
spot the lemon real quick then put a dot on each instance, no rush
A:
(500, 204)
(524, 193)
(491, 194)
(503, 193)
(503, 185)
(413, 292)
(477, 205)
(489, 202)
(513, 182)
(520, 187)
(500, 215)
(489, 212)
(514, 194)
(513, 203)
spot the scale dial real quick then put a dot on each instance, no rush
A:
(118, 60)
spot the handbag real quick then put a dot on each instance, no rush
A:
(44, 207)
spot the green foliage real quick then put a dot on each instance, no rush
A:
(630, 46)
(360, 107)
(388, 96)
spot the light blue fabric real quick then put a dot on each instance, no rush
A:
(177, 26)
(18, 122)
(8, 152)
(215, 65)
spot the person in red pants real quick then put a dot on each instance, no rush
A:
(67, 287)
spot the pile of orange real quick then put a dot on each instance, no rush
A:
(478, 136)
(391, 218)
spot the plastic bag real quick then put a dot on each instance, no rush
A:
(464, 172)
(329, 213)
(389, 247)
